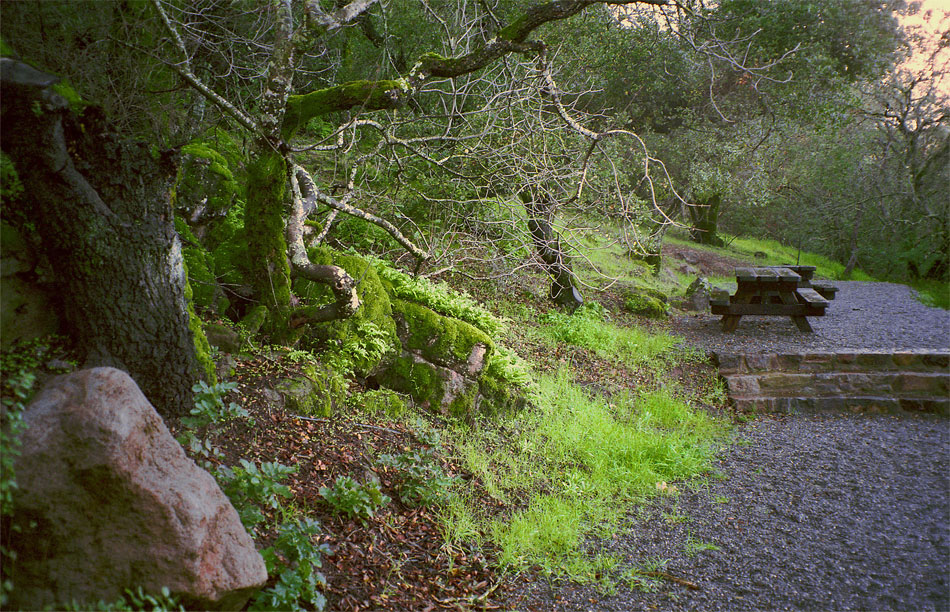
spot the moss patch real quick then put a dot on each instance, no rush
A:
(645, 305)
(370, 95)
(417, 378)
(439, 339)
(202, 346)
(264, 232)
(318, 392)
(368, 337)
(200, 264)
(204, 179)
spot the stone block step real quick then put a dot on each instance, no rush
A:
(833, 384)
(839, 361)
(849, 404)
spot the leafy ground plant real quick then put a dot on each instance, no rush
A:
(349, 497)
(420, 480)
(133, 600)
(209, 409)
(301, 559)
(254, 489)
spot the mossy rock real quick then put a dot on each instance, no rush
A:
(374, 315)
(645, 305)
(319, 391)
(442, 340)
(441, 361)
(223, 338)
(433, 387)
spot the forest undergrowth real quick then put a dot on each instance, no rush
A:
(385, 505)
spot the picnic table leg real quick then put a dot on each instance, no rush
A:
(728, 323)
(800, 321)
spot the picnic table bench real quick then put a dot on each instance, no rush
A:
(775, 291)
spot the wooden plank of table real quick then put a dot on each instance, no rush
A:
(811, 296)
(789, 299)
(787, 275)
(746, 274)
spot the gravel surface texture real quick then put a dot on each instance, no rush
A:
(804, 513)
(863, 315)
(824, 512)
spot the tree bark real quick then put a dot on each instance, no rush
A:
(548, 244)
(102, 211)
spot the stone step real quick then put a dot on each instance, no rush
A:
(837, 361)
(838, 404)
(836, 381)
(833, 384)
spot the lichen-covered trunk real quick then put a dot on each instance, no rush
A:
(264, 226)
(102, 213)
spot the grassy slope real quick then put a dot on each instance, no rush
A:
(931, 292)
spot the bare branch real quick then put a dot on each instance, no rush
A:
(310, 190)
(184, 70)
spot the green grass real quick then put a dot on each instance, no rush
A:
(775, 254)
(589, 328)
(571, 466)
(932, 292)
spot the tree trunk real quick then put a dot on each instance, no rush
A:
(548, 244)
(102, 212)
(705, 220)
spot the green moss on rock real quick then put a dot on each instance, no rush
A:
(645, 305)
(419, 379)
(318, 392)
(442, 340)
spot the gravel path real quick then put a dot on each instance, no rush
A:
(805, 513)
(828, 512)
(863, 315)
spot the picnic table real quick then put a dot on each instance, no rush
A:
(775, 291)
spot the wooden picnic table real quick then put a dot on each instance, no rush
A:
(775, 291)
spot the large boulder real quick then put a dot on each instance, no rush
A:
(108, 500)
